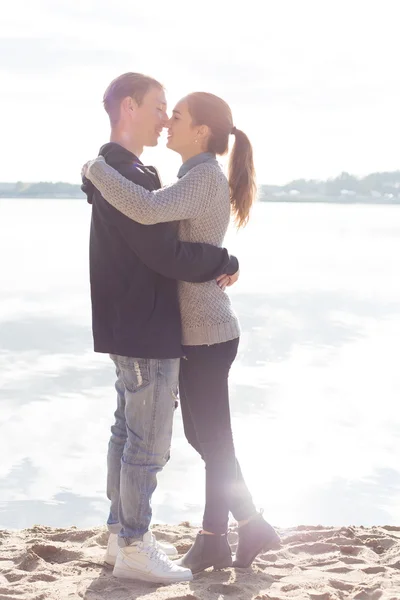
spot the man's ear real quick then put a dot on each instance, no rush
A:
(128, 105)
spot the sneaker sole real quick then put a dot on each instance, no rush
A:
(141, 576)
(110, 559)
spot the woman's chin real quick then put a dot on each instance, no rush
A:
(170, 145)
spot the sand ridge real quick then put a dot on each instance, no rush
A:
(314, 563)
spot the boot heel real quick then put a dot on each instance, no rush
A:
(223, 564)
(255, 537)
(271, 546)
(207, 551)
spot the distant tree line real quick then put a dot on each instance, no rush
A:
(43, 189)
(376, 187)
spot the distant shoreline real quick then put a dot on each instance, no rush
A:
(335, 200)
(281, 200)
(375, 189)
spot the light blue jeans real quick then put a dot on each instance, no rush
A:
(140, 440)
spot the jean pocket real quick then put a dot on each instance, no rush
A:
(134, 372)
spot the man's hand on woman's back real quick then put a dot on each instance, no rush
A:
(225, 281)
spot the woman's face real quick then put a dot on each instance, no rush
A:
(184, 137)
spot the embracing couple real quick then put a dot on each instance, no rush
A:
(158, 274)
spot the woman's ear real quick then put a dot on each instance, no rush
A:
(204, 132)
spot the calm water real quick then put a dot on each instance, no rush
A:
(315, 390)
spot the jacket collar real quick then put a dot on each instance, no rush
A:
(194, 161)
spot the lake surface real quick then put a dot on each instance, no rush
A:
(315, 389)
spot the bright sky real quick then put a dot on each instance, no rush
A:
(314, 83)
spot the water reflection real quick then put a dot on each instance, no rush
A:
(356, 502)
(45, 335)
(274, 324)
(314, 390)
(64, 510)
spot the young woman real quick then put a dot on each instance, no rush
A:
(202, 201)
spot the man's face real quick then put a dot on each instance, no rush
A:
(151, 117)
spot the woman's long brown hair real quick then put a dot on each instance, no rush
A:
(210, 110)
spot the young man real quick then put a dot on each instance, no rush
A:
(134, 271)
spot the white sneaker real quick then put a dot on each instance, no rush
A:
(112, 549)
(144, 561)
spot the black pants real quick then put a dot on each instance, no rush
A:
(203, 390)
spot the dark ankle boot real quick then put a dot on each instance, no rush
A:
(207, 551)
(255, 536)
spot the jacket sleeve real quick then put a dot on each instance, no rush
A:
(159, 249)
(187, 198)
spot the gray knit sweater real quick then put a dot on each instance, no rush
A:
(200, 200)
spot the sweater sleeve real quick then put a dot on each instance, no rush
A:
(187, 198)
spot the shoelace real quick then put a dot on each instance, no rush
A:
(158, 556)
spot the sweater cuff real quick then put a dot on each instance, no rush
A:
(95, 171)
(233, 266)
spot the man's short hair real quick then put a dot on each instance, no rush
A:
(134, 85)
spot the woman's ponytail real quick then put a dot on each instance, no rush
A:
(241, 176)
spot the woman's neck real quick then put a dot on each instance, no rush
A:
(189, 154)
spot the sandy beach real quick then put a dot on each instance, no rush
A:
(314, 563)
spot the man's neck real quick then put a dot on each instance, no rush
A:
(126, 140)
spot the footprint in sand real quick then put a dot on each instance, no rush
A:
(350, 549)
(225, 589)
(368, 593)
(42, 577)
(270, 557)
(14, 577)
(187, 597)
(52, 554)
(341, 585)
(316, 548)
(349, 560)
(29, 562)
(304, 537)
(73, 536)
(342, 570)
(374, 570)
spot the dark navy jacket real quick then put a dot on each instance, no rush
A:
(134, 270)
